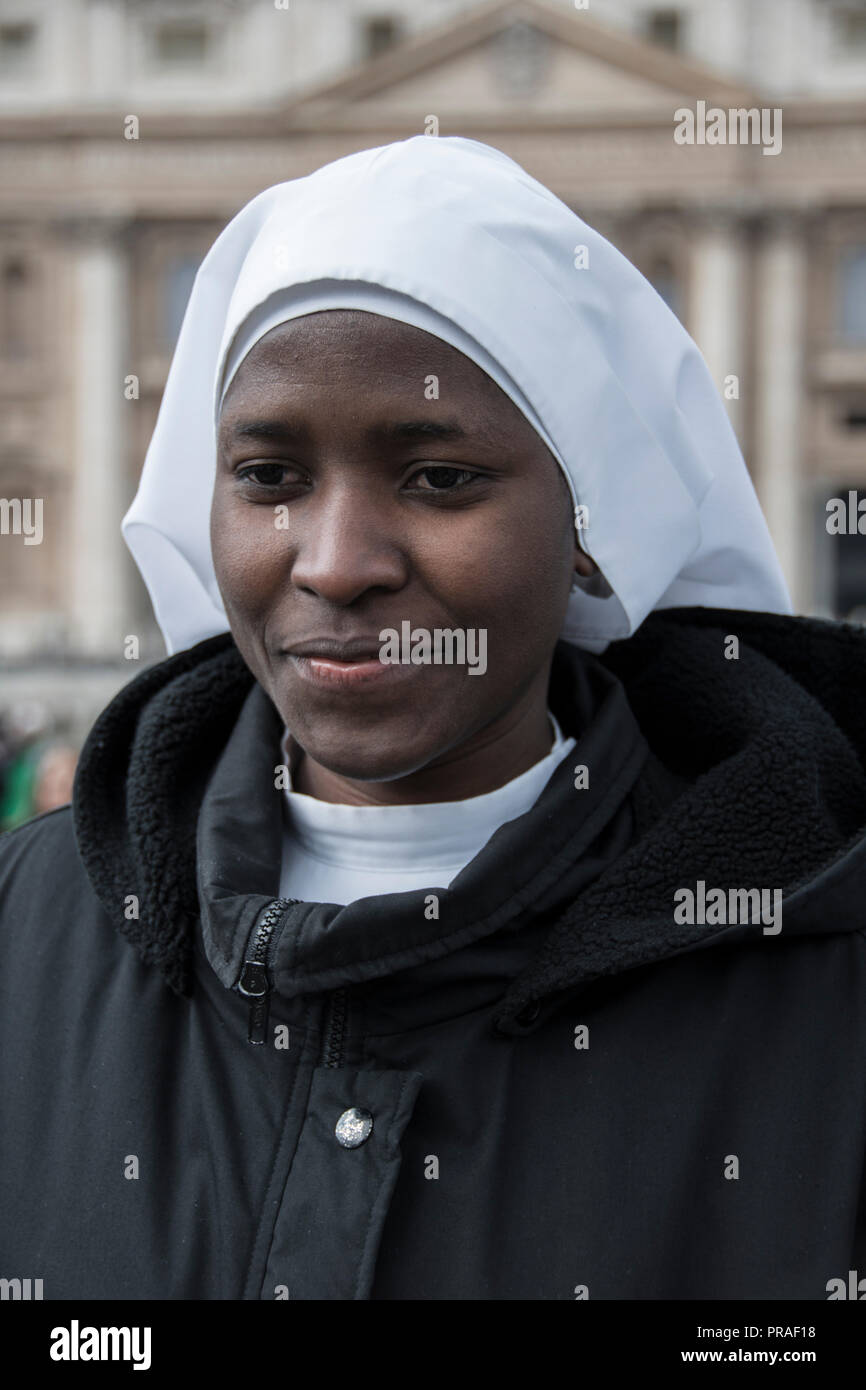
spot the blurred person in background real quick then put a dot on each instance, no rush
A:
(37, 765)
(53, 777)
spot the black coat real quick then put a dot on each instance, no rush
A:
(552, 1089)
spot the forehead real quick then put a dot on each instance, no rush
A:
(356, 348)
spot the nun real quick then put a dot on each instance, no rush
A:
(469, 906)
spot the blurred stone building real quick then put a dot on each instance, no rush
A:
(131, 131)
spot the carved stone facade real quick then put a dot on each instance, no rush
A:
(762, 255)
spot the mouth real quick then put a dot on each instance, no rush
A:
(337, 664)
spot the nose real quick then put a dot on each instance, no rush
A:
(345, 546)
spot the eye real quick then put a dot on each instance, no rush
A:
(264, 474)
(443, 478)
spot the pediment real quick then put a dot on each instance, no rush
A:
(518, 59)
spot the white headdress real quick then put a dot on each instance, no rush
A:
(453, 236)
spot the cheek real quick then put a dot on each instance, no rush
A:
(513, 569)
(246, 551)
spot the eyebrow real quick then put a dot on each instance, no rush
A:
(397, 432)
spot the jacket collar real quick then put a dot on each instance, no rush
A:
(769, 748)
(510, 882)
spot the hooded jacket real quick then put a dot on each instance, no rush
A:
(541, 1082)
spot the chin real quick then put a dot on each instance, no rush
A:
(380, 764)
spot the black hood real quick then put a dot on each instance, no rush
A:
(769, 749)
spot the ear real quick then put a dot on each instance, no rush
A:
(583, 564)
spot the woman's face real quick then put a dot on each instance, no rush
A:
(370, 475)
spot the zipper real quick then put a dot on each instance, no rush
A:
(254, 980)
(338, 1008)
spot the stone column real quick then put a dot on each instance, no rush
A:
(780, 383)
(99, 564)
(716, 304)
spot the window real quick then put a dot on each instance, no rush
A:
(17, 45)
(26, 564)
(664, 27)
(850, 574)
(16, 316)
(852, 294)
(179, 276)
(380, 32)
(853, 415)
(850, 28)
(182, 43)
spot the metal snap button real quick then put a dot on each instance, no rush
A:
(354, 1127)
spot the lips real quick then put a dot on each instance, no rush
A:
(354, 649)
(335, 663)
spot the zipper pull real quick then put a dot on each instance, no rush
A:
(254, 982)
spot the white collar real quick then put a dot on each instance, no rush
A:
(433, 835)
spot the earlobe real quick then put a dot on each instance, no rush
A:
(587, 577)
